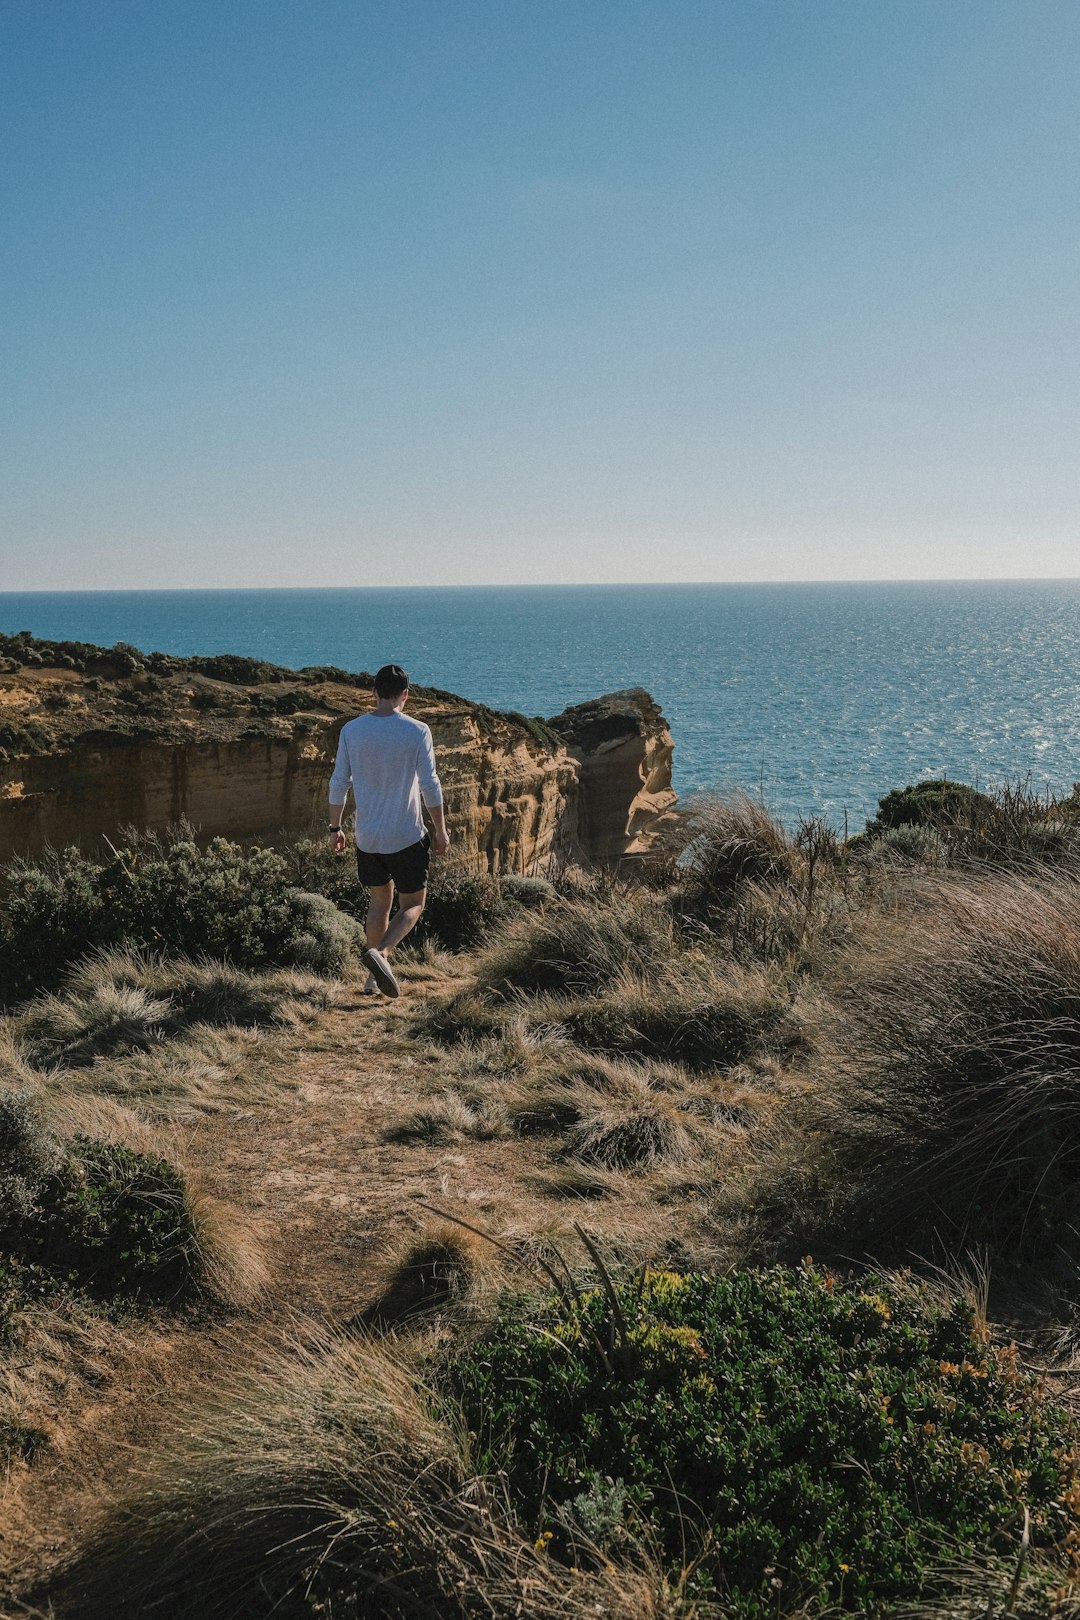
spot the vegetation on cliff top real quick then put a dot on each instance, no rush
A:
(148, 692)
(777, 1045)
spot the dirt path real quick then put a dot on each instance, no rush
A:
(328, 1196)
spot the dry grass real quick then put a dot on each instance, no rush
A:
(579, 947)
(447, 1117)
(730, 842)
(323, 1478)
(447, 1265)
(634, 1136)
(578, 1181)
(944, 1095)
(229, 1250)
(117, 1002)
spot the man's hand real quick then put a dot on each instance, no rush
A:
(438, 823)
(337, 842)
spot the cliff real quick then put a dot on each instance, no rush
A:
(620, 742)
(95, 739)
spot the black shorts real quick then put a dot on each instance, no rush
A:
(407, 868)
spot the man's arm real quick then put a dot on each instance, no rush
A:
(438, 821)
(431, 792)
(339, 788)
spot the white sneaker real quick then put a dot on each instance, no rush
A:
(380, 971)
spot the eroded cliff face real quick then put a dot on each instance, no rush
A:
(93, 740)
(623, 750)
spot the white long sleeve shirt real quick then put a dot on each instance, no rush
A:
(390, 762)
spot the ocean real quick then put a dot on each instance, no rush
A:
(820, 697)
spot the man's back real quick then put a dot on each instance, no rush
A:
(390, 761)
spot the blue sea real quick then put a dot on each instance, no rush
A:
(822, 697)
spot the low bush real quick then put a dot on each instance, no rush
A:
(112, 1220)
(165, 895)
(463, 909)
(29, 1153)
(1010, 826)
(794, 1439)
(939, 803)
(527, 891)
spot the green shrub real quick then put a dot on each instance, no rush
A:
(938, 803)
(111, 1220)
(811, 1442)
(527, 891)
(462, 910)
(29, 1152)
(167, 895)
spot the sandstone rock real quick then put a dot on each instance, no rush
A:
(624, 750)
(93, 740)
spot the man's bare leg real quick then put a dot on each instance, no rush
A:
(408, 915)
(383, 935)
(380, 899)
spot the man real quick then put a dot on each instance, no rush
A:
(389, 760)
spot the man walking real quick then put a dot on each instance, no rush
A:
(390, 762)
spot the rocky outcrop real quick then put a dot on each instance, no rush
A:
(620, 742)
(93, 740)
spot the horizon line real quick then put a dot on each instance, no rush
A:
(532, 585)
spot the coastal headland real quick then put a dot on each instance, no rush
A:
(93, 739)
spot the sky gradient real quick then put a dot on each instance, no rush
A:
(400, 291)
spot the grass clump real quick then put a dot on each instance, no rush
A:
(579, 947)
(730, 842)
(941, 1109)
(324, 1483)
(121, 1002)
(435, 1270)
(800, 1440)
(632, 1137)
(706, 1019)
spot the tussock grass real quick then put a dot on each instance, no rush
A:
(447, 1118)
(710, 1016)
(579, 947)
(120, 1002)
(323, 1483)
(707, 1018)
(441, 1267)
(944, 1096)
(730, 842)
(541, 1110)
(230, 1257)
(79, 1027)
(184, 1079)
(632, 1137)
(578, 1181)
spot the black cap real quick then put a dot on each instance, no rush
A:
(391, 681)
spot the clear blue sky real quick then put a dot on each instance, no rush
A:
(464, 291)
